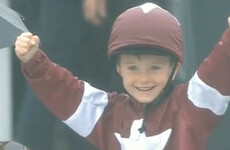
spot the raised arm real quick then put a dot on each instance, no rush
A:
(56, 87)
(210, 86)
(74, 101)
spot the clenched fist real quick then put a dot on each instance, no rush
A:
(26, 46)
(229, 21)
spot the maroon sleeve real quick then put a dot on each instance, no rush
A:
(208, 93)
(215, 70)
(55, 86)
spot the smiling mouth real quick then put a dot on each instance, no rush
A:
(145, 88)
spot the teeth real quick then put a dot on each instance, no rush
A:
(144, 88)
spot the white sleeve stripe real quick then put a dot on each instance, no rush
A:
(204, 96)
(89, 111)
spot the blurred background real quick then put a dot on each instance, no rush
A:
(74, 34)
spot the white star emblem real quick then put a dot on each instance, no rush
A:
(138, 140)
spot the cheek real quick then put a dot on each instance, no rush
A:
(126, 80)
(161, 78)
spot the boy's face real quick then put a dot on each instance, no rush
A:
(144, 76)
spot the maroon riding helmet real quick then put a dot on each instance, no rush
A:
(147, 25)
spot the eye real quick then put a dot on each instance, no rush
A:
(155, 67)
(132, 68)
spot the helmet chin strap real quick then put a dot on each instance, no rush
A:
(164, 93)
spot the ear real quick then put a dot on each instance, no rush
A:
(118, 68)
(178, 66)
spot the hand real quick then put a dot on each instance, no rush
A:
(95, 11)
(229, 21)
(26, 46)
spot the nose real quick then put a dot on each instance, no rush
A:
(144, 77)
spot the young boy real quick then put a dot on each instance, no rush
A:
(146, 43)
